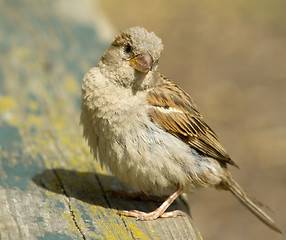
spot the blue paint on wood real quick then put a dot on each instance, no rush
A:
(2, 52)
(9, 137)
(86, 218)
(56, 236)
(40, 219)
(60, 204)
(18, 172)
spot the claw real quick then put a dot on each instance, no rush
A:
(159, 212)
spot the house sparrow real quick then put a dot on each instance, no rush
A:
(148, 131)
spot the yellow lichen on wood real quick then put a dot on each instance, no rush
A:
(113, 230)
(7, 104)
(71, 84)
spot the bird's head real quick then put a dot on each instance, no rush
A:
(133, 56)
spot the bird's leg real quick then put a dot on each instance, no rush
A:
(159, 212)
(136, 195)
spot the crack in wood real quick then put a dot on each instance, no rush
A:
(127, 229)
(69, 205)
(102, 190)
(110, 205)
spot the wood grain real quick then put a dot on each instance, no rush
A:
(50, 186)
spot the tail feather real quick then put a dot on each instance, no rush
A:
(238, 192)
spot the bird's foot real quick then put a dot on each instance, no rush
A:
(143, 216)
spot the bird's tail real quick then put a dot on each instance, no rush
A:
(238, 192)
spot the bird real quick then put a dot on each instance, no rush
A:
(148, 131)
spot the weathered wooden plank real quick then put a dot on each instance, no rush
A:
(50, 187)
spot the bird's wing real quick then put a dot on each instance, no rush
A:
(175, 111)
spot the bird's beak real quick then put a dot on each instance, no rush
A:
(142, 62)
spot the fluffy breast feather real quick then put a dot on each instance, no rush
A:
(118, 129)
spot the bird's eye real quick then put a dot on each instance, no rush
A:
(127, 48)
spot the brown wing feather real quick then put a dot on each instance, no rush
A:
(176, 112)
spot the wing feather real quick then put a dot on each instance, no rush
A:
(175, 111)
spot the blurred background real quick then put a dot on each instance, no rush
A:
(231, 57)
